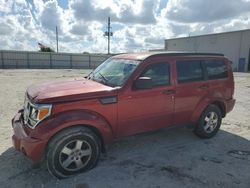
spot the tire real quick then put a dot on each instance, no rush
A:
(209, 122)
(73, 151)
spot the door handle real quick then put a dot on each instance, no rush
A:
(203, 87)
(169, 92)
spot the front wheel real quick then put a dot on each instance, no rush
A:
(209, 122)
(73, 151)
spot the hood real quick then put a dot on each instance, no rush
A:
(67, 90)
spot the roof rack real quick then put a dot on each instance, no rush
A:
(145, 55)
(186, 53)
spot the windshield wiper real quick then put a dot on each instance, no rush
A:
(89, 75)
(105, 80)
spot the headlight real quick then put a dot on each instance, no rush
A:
(38, 113)
(34, 113)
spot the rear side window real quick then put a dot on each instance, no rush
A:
(189, 71)
(159, 73)
(216, 69)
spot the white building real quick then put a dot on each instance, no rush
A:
(235, 45)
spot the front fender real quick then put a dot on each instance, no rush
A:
(48, 128)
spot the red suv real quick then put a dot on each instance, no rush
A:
(68, 123)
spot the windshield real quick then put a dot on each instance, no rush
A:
(114, 72)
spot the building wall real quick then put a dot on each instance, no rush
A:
(234, 45)
(45, 60)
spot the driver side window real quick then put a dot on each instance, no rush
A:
(159, 73)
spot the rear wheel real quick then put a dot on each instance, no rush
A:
(73, 151)
(209, 122)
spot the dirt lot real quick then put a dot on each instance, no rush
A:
(166, 158)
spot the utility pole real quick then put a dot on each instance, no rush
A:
(108, 34)
(56, 40)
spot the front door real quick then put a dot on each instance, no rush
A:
(147, 109)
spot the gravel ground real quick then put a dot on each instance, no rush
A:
(166, 158)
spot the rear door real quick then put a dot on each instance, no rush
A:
(191, 88)
(218, 75)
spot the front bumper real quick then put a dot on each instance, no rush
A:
(22, 140)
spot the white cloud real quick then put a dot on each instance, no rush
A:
(51, 15)
(79, 28)
(195, 17)
(6, 6)
(141, 13)
(137, 24)
(190, 11)
(130, 11)
(5, 29)
(85, 10)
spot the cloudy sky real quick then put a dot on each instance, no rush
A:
(137, 24)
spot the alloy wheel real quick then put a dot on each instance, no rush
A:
(75, 155)
(211, 122)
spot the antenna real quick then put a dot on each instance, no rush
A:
(108, 34)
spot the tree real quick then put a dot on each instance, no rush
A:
(44, 48)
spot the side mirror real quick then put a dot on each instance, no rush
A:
(143, 83)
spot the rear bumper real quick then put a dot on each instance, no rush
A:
(32, 147)
(230, 105)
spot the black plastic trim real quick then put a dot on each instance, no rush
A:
(108, 100)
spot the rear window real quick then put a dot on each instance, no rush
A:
(216, 69)
(189, 71)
